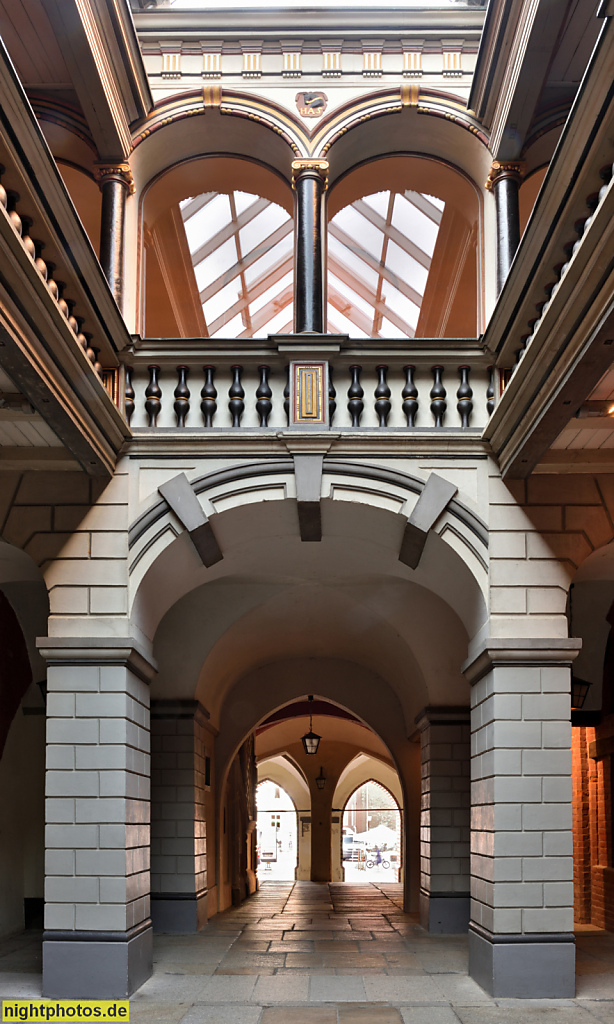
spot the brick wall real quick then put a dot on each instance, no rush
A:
(592, 825)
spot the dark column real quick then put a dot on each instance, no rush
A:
(309, 183)
(115, 183)
(504, 181)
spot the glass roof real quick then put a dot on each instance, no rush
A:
(242, 249)
(379, 256)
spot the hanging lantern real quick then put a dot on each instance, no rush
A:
(311, 740)
(321, 779)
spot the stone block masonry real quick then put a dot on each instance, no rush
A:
(178, 821)
(97, 818)
(521, 931)
(444, 819)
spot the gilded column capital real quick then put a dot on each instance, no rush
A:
(504, 169)
(320, 167)
(116, 172)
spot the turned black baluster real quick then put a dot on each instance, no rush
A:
(153, 396)
(490, 391)
(464, 396)
(332, 395)
(182, 396)
(208, 405)
(236, 395)
(128, 395)
(355, 396)
(438, 396)
(382, 396)
(409, 395)
(287, 396)
(264, 394)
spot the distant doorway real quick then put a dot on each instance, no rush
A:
(276, 833)
(371, 835)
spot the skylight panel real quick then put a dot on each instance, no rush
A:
(230, 330)
(414, 224)
(360, 230)
(370, 273)
(283, 249)
(353, 297)
(222, 301)
(343, 325)
(406, 267)
(270, 293)
(379, 202)
(402, 306)
(277, 322)
(207, 222)
(259, 229)
(388, 330)
(213, 266)
(243, 201)
(352, 261)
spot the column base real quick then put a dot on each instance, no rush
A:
(96, 965)
(444, 913)
(179, 913)
(523, 966)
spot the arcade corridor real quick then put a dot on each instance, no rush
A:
(307, 953)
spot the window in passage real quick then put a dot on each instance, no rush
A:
(403, 252)
(218, 252)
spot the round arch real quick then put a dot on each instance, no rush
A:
(253, 514)
(350, 687)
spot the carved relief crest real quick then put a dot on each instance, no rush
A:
(311, 104)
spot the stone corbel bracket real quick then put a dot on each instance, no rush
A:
(180, 497)
(308, 450)
(427, 510)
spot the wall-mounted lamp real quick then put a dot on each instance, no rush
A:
(579, 690)
(311, 740)
(321, 779)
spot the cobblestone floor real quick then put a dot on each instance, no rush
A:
(327, 954)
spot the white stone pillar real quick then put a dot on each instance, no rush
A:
(180, 774)
(521, 937)
(98, 935)
(444, 819)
